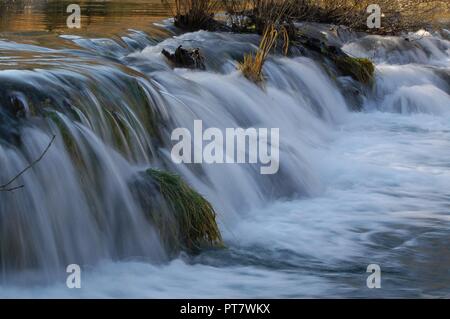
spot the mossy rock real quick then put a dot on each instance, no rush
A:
(184, 219)
(360, 69)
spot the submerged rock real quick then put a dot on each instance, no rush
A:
(191, 59)
(184, 219)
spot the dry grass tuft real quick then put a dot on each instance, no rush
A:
(255, 15)
(398, 15)
(194, 15)
(252, 65)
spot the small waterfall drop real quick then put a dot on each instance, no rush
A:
(113, 105)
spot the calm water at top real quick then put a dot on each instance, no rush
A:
(36, 20)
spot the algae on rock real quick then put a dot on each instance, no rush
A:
(184, 219)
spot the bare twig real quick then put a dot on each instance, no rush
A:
(6, 188)
(11, 189)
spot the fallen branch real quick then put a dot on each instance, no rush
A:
(6, 188)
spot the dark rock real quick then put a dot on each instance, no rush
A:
(194, 21)
(191, 59)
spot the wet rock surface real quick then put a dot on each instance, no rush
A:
(186, 58)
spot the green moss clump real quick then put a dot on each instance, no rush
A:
(361, 69)
(193, 225)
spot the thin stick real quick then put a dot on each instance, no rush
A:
(12, 189)
(3, 188)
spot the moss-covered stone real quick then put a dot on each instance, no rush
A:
(184, 219)
(191, 58)
(360, 69)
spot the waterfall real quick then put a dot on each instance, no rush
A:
(113, 105)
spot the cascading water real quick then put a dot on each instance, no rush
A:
(354, 188)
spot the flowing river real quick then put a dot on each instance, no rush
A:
(354, 187)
